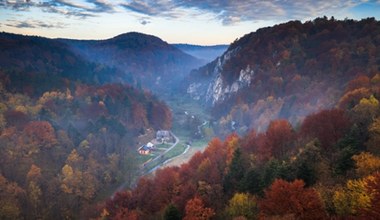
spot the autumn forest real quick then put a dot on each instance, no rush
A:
(293, 129)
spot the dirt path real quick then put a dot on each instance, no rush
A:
(184, 158)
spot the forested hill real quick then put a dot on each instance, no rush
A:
(68, 132)
(327, 167)
(45, 63)
(286, 71)
(134, 58)
(145, 59)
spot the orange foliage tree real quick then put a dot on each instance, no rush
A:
(291, 199)
(195, 210)
(373, 186)
(40, 133)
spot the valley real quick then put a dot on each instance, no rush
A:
(132, 127)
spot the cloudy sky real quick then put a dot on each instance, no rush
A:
(204, 22)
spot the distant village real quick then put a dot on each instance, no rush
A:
(161, 137)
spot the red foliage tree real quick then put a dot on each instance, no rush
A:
(195, 210)
(40, 133)
(125, 213)
(263, 152)
(165, 186)
(248, 144)
(143, 196)
(16, 118)
(361, 81)
(161, 116)
(285, 199)
(279, 138)
(119, 201)
(327, 125)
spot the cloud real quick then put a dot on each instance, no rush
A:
(228, 12)
(33, 24)
(162, 8)
(144, 22)
(234, 11)
(82, 9)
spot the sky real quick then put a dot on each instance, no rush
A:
(202, 22)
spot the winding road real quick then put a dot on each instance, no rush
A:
(159, 157)
(143, 172)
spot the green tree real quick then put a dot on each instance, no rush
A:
(172, 213)
(373, 144)
(252, 182)
(235, 172)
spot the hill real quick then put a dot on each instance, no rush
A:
(68, 132)
(46, 63)
(326, 167)
(286, 71)
(205, 53)
(134, 58)
(143, 59)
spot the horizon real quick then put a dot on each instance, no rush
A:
(203, 23)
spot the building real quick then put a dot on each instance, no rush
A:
(146, 149)
(163, 136)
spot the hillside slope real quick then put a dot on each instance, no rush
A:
(143, 59)
(286, 71)
(68, 132)
(205, 53)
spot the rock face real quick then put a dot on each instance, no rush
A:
(287, 71)
(215, 89)
(219, 90)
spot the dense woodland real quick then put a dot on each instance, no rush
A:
(328, 167)
(305, 146)
(65, 149)
(298, 68)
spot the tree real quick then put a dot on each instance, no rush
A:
(195, 210)
(366, 111)
(235, 172)
(279, 138)
(352, 198)
(34, 191)
(172, 213)
(11, 196)
(165, 186)
(328, 126)
(252, 182)
(366, 163)
(40, 134)
(125, 213)
(307, 163)
(373, 144)
(361, 81)
(242, 204)
(284, 199)
(373, 186)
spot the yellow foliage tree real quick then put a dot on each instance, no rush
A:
(242, 205)
(352, 198)
(366, 163)
(368, 107)
(68, 176)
